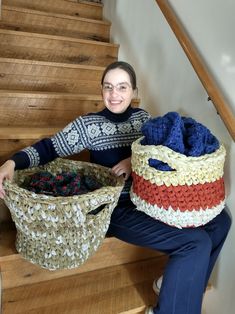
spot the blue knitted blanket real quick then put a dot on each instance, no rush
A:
(182, 134)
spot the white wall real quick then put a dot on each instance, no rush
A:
(211, 24)
(167, 82)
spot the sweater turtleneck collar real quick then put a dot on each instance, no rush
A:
(117, 117)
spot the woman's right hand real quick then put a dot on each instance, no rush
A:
(6, 172)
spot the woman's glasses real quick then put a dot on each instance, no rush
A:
(119, 88)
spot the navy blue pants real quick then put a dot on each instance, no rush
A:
(192, 254)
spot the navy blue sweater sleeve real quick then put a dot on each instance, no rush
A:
(108, 137)
(39, 153)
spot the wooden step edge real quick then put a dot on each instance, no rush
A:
(55, 64)
(53, 95)
(18, 133)
(129, 298)
(59, 38)
(18, 272)
(47, 95)
(113, 290)
(89, 3)
(57, 15)
(8, 235)
(69, 5)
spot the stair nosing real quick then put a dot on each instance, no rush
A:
(57, 37)
(30, 135)
(89, 3)
(51, 63)
(43, 94)
(58, 15)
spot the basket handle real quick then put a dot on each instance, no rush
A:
(159, 152)
(104, 196)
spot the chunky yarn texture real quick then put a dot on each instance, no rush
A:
(178, 171)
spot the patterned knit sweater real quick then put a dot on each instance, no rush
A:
(108, 137)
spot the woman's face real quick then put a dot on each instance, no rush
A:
(117, 91)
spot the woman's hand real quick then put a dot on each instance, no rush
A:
(6, 172)
(123, 168)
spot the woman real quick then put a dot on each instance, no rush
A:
(108, 136)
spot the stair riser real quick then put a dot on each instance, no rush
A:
(16, 271)
(43, 110)
(108, 291)
(34, 112)
(29, 21)
(35, 47)
(59, 6)
(36, 76)
(9, 147)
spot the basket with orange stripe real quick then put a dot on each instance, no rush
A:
(190, 195)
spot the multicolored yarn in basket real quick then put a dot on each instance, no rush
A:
(189, 192)
(62, 232)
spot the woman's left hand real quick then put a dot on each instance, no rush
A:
(123, 168)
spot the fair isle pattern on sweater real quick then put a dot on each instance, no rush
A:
(106, 135)
(33, 156)
(97, 132)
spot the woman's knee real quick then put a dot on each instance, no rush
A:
(198, 241)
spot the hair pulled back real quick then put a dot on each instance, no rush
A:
(125, 67)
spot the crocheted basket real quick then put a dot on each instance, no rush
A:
(190, 196)
(62, 232)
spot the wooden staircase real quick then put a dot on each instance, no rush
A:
(52, 55)
(116, 279)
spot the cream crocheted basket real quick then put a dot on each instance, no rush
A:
(61, 232)
(190, 196)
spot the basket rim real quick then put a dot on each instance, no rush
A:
(8, 185)
(12, 185)
(138, 148)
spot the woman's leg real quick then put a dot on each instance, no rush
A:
(217, 229)
(189, 253)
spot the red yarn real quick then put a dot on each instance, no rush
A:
(181, 197)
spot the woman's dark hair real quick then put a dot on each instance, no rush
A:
(124, 66)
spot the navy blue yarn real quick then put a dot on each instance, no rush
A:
(182, 134)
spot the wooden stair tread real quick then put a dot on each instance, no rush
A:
(42, 109)
(39, 95)
(60, 38)
(54, 64)
(57, 15)
(43, 47)
(16, 271)
(54, 95)
(21, 19)
(118, 289)
(49, 76)
(27, 133)
(98, 4)
(83, 9)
